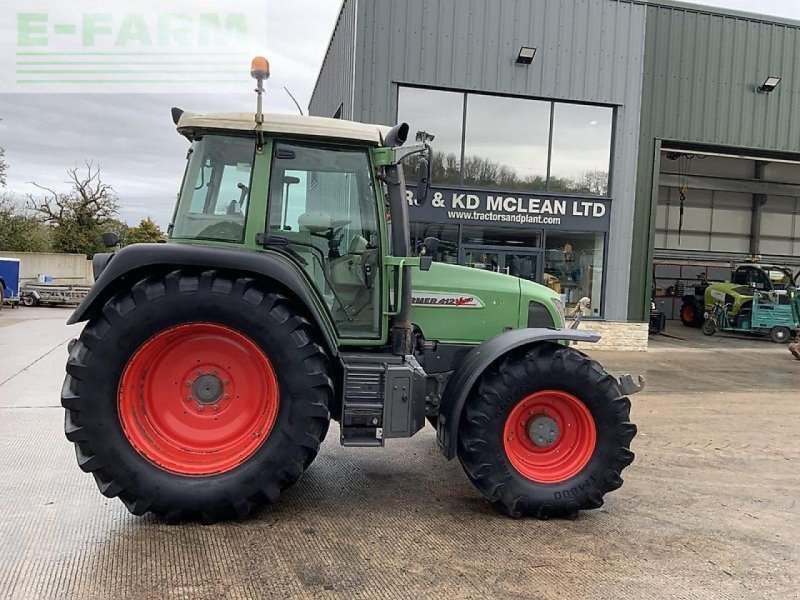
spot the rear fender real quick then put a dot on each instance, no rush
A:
(137, 261)
(477, 361)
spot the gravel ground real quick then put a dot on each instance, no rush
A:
(709, 508)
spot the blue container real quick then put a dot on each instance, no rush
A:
(9, 277)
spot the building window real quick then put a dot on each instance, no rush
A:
(522, 238)
(442, 114)
(505, 144)
(574, 267)
(581, 149)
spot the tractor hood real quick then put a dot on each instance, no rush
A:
(462, 305)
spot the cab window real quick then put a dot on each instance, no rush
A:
(216, 189)
(321, 201)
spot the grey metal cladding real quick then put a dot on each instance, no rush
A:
(701, 74)
(334, 86)
(587, 50)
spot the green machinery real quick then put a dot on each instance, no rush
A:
(763, 317)
(287, 295)
(771, 281)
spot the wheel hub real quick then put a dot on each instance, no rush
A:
(543, 431)
(207, 389)
(549, 436)
(198, 399)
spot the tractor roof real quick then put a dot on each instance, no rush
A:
(285, 124)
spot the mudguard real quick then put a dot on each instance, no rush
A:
(477, 361)
(137, 260)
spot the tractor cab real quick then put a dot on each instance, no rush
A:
(304, 187)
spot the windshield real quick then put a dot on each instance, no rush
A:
(216, 189)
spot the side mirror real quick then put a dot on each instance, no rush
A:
(423, 180)
(430, 245)
(110, 239)
(429, 248)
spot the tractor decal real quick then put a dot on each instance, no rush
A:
(446, 300)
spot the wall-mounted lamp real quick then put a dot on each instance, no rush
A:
(769, 85)
(525, 56)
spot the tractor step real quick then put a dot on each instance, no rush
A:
(384, 397)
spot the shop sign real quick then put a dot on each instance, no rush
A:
(450, 205)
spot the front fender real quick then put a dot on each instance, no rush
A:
(477, 361)
(137, 260)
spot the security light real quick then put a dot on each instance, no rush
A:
(525, 56)
(769, 85)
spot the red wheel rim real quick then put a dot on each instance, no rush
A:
(198, 399)
(688, 314)
(549, 436)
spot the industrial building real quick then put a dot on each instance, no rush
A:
(611, 149)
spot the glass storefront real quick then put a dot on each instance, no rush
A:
(581, 146)
(574, 267)
(511, 143)
(571, 264)
(441, 114)
(505, 143)
(520, 186)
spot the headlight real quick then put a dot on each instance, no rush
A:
(559, 306)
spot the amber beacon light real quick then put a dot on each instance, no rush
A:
(259, 68)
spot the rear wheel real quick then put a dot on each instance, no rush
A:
(780, 335)
(28, 300)
(546, 433)
(220, 399)
(691, 315)
(709, 327)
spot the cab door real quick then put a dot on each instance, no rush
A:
(323, 204)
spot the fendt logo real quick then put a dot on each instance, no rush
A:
(126, 46)
(446, 300)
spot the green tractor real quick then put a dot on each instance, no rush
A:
(287, 295)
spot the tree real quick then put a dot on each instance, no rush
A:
(20, 231)
(147, 231)
(79, 217)
(594, 182)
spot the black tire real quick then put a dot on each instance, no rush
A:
(2, 299)
(152, 305)
(691, 315)
(780, 335)
(28, 300)
(519, 374)
(709, 327)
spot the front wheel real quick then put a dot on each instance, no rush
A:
(709, 327)
(546, 433)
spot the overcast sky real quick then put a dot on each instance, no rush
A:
(132, 137)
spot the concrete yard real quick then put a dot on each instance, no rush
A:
(709, 508)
